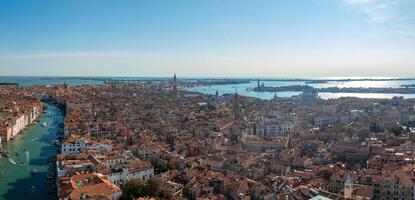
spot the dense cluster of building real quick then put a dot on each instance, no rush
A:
(232, 147)
(17, 111)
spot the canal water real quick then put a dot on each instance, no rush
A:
(28, 151)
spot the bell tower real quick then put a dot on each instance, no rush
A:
(174, 85)
(348, 187)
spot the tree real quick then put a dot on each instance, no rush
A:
(159, 167)
(155, 186)
(135, 188)
(397, 129)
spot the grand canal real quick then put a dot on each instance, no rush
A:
(31, 150)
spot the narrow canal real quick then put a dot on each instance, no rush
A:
(31, 152)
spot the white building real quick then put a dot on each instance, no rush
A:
(24, 120)
(73, 146)
(138, 170)
(103, 147)
(272, 126)
(77, 145)
(19, 124)
(325, 120)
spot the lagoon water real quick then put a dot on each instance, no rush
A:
(31, 150)
(244, 89)
(28, 81)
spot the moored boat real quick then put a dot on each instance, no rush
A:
(56, 142)
(50, 175)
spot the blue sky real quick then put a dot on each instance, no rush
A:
(298, 38)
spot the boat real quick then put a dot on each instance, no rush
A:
(12, 161)
(34, 172)
(50, 175)
(44, 124)
(56, 142)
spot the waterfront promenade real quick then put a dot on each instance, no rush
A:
(31, 150)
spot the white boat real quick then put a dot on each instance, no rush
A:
(56, 142)
(12, 161)
(44, 124)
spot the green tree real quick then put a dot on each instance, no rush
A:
(155, 186)
(397, 129)
(135, 188)
(159, 167)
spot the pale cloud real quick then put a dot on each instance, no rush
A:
(385, 11)
(405, 33)
(357, 1)
(378, 11)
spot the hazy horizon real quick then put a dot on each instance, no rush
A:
(264, 78)
(208, 38)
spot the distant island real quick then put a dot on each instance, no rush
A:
(408, 86)
(223, 82)
(316, 81)
(3, 83)
(299, 88)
